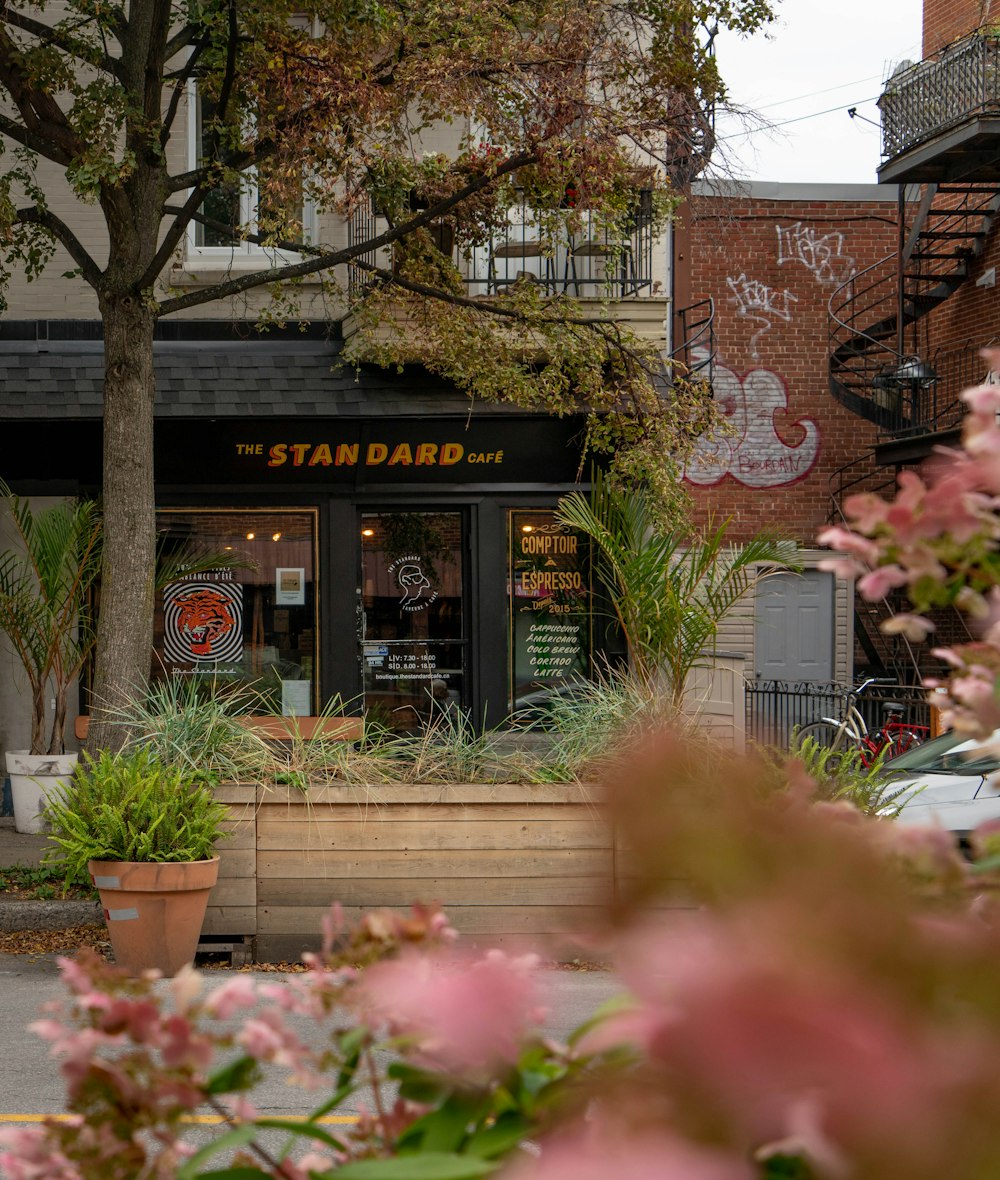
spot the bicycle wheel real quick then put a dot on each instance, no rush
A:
(827, 735)
(905, 740)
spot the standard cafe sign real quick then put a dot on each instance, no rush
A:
(377, 451)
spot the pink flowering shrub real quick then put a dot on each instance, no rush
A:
(938, 539)
(810, 993)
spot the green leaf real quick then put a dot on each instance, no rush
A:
(500, 1138)
(445, 1129)
(430, 1165)
(301, 1129)
(241, 1074)
(418, 1085)
(236, 1137)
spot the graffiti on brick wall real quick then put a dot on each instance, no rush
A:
(821, 254)
(755, 300)
(749, 448)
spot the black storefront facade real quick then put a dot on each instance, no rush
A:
(397, 545)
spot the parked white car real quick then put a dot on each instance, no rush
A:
(950, 780)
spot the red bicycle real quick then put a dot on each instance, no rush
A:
(850, 732)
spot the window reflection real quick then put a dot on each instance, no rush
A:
(413, 637)
(254, 625)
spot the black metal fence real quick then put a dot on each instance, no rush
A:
(571, 252)
(932, 95)
(775, 708)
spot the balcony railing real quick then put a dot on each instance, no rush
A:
(927, 98)
(580, 257)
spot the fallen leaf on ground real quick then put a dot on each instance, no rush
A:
(46, 942)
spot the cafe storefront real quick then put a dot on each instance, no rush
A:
(416, 565)
(394, 546)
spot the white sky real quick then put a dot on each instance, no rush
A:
(819, 54)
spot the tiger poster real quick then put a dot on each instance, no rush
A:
(203, 622)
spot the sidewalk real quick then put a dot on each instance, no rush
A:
(16, 914)
(17, 848)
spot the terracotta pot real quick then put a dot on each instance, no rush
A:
(154, 911)
(32, 778)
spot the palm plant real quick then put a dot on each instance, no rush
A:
(45, 603)
(669, 586)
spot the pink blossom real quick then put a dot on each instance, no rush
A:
(464, 1013)
(851, 543)
(597, 1153)
(182, 1045)
(914, 627)
(242, 1109)
(842, 567)
(186, 987)
(982, 399)
(268, 1038)
(238, 992)
(75, 974)
(30, 1155)
(806, 1137)
(866, 511)
(333, 926)
(137, 1019)
(878, 582)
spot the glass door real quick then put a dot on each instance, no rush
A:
(412, 616)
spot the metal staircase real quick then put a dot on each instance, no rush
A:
(875, 367)
(883, 655)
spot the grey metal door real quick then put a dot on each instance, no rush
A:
(795, 627)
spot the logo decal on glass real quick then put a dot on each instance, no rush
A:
(203, 622)
(416, 591)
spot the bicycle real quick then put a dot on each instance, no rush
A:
(850, 732)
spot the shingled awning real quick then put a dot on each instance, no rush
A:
(58, 379)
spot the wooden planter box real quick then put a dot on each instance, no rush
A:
(511, 864)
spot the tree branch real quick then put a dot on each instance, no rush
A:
(36, 143)
(184, 37)
(501, 311)
(326, 260)
(31, 215)
(45, 129)
(49, 35)
(171, 239)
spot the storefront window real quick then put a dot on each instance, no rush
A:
(413, 641)
(550, 612)
(255, 625)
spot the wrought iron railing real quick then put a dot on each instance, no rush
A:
(579, 256)
(696, 349)
(924, 99)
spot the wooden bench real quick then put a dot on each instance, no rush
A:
(279, 729)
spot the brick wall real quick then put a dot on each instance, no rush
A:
(945, 20)
(771, 266)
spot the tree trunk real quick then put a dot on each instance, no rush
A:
(125, 622)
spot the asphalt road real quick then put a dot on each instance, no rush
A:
(30, 1084)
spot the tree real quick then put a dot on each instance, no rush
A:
(558, 94)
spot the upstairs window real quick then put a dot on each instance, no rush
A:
(240, 209)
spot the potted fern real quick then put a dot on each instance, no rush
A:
(145, 834)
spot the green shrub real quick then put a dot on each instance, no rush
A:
(841, 774)
(130, 807)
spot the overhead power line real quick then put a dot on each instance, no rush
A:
(798, 119)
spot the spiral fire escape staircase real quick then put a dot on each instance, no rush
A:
(941, 137)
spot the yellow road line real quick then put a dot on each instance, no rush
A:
(208, 1120)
